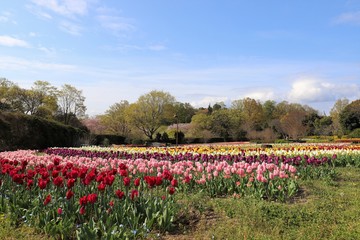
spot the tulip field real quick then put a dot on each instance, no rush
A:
(139, 192)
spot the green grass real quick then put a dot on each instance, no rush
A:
(9, 232)
(322, 210)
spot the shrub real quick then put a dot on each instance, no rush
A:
(19, 131)
(355, 133)
(108, 139)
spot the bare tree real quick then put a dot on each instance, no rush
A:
(71, 103)
(292, 123)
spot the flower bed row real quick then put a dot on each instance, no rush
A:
(342, 155)
(119, 198)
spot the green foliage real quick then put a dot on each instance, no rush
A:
(20, 131)
(180, 136)
(101, 139)
(165, 137)
(350, 116)
(184, 112)
(151, 111)
(319, 211)
(355, 133)
(137, 141)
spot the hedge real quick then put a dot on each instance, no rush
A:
(19, 131)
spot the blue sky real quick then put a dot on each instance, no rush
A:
(201, 52)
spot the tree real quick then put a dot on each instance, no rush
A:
(48, 93)
(350, 116)
(218, 106)
(116, 120)
(31, 100)
(184, 112)
(10, 99)
(71, 103)
(221, 123)
(269, 108)
(151, 110)
(323, 126)
(180, 136)
(311, 117)
(201, 125)
(338, 107)
(292, 123)
(40, 100)
(252, 112)
(281, 110)
(165, 137)
(94, 124)
(237, 121)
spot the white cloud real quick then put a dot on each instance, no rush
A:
(205, 101)
(64, 7)
(349, 17)
(109, 19)
(47, 51)
(32, 34)
(128, 47)
(115, 23)
(70, 28)
(311, 90)
(157, 47)
(38, 12)
(262, 95)
(12, 42)
(125, 48)
(13, 63)
(6, 17)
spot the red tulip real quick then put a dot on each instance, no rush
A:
(74, 173)
(58, 181)
(70, 182)
(59, 211)
(83, 200)
(137, 182)
(120, 194)
(57, 161)
(122, 166)
(31, 173)
(92, 198)
(29, 184)
(134, 193)
(174, 183)
(82, 210)
(171, 190)
(159, 181)
(69, 194)
(47, 200)
(101, 187)
(55, 173)
(123, 173)
(109, 180)
(150, 180)
(42, 183)
(126, 181)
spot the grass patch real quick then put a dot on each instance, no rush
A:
(9, 232)
(322, 210)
